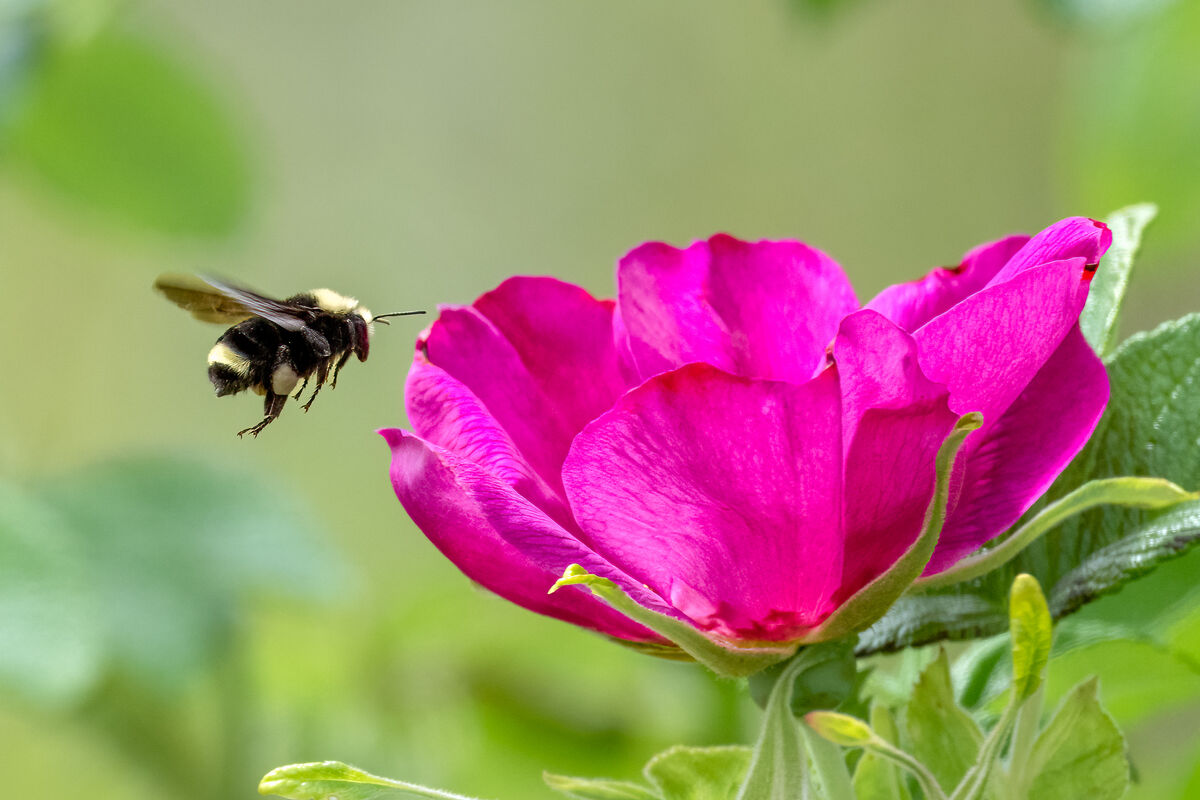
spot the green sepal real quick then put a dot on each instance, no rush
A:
(1131, 492)
(333, 780)
(779, 765)
(872, 601)
(732, 661)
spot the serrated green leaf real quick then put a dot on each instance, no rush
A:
(940, 734)
(119, 125)
(333, 780)
(699, 773)
(1102, 314)
(1151, 427)
(875, 778)
(1080, 753)
(598, 788)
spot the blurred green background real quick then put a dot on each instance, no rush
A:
(181, 611)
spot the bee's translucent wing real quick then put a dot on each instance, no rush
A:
(215, 300)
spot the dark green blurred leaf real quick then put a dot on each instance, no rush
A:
(332, 780)
(1081, 753)
(1151, 427)
(699, 773)
(940, 734)
(50, 643)
(172, 548)
(826, 679)
(120, 125)
(1132, 131)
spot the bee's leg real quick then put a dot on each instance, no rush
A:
(303, 386)
(272, 405)
(322, 374)
(341, 363)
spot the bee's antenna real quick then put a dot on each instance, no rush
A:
(379, 317)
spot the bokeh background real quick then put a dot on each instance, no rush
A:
(181, 611)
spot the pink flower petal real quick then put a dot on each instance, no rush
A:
(1020, 455)
(896, 419)
(1073, 237)
(987, 348)
(722, 494)
(764, 309)
(502, 541)
(911, 305)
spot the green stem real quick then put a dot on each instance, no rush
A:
(925, 779)
(975, 781)
(829, 765)
(1025, 732)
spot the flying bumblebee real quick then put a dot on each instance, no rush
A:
(275, 344)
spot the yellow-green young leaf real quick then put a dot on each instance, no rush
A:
(698, 773)
(333, 780)
(1032, 633)
(841, 729)
(875, 778)
(1081, 753)
(598, 788)
(122, 126)
(729, 662)
(941, 735)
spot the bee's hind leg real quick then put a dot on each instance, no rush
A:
(272, 406)
(322, 374)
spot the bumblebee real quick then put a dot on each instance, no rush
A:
(274, 345)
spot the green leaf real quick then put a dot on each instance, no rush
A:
(1080, 753)
(333, 780)
(734, 661)
(598, 788)
(172, 547)
(873, 600)
(779, 765)
(1031, 632)
(50, 642)
(1102, 313)
(844, 730)
(875, 778)
(699, 773)
(1151, 427)
(120, 125)
(941, 735)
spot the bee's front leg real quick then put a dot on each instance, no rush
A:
(322, 374)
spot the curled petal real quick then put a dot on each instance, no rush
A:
(1073, 237)
(720, 493)
(501, 540)
(762, 309)
(911, 305)
(1018, 457)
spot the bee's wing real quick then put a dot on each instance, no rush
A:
(214, 300)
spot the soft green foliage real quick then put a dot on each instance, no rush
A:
(1101, 317)
(119, 125)
(1080, 753)
(598, 788)
(332, 780)
(875, 777)
(1150, 428)
(938, 731)
(698, 773)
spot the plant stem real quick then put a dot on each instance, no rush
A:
(829, 765)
